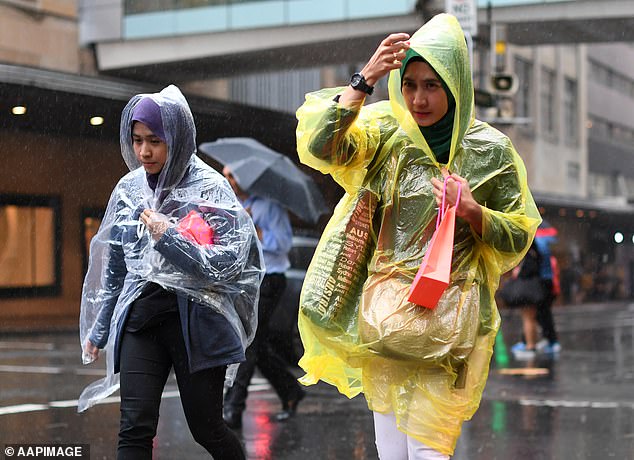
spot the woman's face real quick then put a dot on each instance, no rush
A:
(150, 150)
(424, 95)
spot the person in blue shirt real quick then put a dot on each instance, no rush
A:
(544, 309)
(544, 238)
(274, 230)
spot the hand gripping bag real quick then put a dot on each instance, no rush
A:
(434, 273)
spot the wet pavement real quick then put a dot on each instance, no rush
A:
(577, 405)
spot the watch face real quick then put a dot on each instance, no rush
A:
(357, 81)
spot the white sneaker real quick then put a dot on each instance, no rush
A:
(541, 345)
(552, 348)
(524, 355)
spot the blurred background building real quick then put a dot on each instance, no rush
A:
(556, 76)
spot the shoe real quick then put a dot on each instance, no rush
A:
(525, 354)
(519, 346)
(552, 348)
(541, 345)
(520, 352)
(289, 408)
(233, 419)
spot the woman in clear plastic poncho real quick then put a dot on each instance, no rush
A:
(172, 281)
(420, 388)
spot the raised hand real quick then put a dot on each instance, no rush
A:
(387, 57)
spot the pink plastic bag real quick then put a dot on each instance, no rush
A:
(435, 271)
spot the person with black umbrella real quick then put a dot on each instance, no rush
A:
(275, 233)
(266, 173)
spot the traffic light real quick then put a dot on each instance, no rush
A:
(504, 83)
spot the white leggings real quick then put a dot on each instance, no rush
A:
(393, 444)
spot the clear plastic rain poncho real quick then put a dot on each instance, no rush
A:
(375, 242)
(224, 275)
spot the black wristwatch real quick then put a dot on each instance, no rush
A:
(357, 81)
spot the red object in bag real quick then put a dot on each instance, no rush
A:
(435, 271)
(195, 229)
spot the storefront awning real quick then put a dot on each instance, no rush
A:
(613, 205)
(60, 103)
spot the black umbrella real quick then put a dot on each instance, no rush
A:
(263, 172)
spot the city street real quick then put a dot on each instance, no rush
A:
(578, 405)
(164, 157)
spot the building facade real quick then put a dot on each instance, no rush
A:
(59, 126)
(245, 67)
(574, 140)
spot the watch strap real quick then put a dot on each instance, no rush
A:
(358, 82)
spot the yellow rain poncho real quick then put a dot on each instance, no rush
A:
(379, 233)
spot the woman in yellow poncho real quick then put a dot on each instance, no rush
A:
(420, 386)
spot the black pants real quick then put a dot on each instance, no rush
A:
(146, 359)
(545, 313)
(261, 353)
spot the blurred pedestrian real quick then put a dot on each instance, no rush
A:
(172, 281)
(526, 291)
(275, 233)
(401, 152)
(549, 275)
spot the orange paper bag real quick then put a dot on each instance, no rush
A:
(195, 229)
(434, 273)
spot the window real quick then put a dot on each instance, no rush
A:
(609, 78)
(524, 72)
(548, 103)
(29, 245)
(90, 221)
(283, 91)
(600, 128)
(570, 111)
(145, 6)
(574, 174)
(600, 73)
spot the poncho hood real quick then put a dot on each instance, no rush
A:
(442, 44)
(180, 136)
